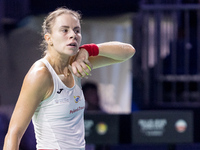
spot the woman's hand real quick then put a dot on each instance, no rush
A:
(81, 66)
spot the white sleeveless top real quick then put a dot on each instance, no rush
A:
(58, 121)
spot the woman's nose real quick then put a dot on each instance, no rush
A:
(72, 34)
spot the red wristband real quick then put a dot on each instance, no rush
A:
(93, 49)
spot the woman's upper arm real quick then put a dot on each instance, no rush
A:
(34, 89)
(111, 53)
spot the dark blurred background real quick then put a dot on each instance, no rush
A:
(165, 68)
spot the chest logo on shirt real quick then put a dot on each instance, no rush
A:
(77, 99)
(60, 90)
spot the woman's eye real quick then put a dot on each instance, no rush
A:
(77, 31)
(64, 30)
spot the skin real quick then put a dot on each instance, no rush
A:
(38, 84)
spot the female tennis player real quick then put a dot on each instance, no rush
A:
(51, 93)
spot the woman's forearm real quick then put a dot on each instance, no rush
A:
(116, 50)
(11, 142)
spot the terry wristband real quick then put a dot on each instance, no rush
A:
(93, 49)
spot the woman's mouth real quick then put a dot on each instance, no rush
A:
(72, 44)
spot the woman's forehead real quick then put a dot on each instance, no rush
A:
(67, 19)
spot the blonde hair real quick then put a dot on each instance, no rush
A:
(50, 20)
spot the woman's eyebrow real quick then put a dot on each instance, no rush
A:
(64, 26)
(77, 27)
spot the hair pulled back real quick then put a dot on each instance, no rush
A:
(50, 20)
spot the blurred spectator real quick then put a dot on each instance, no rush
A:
(90, 91)
(92, 103)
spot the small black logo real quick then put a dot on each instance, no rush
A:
(60, 90)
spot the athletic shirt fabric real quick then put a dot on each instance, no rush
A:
(58, 120)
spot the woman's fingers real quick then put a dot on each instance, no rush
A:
(81, 69)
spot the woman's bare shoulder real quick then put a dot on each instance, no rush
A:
(39, 73)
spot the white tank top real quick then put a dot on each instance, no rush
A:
(58, 121)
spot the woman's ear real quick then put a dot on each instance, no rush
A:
(47, 37)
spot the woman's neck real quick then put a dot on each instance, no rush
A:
(60, 64)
